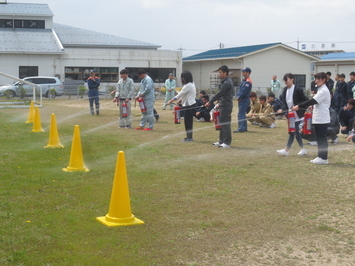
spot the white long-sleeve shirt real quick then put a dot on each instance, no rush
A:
(187, 94)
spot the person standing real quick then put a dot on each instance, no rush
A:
(351, 86)
(291, 96)
(93, 85)
(243, 100)
(330, 82)
(341, 93)
(170, 85)
(124, 94)
(275, 86)
(321, 116)
(225, 98)
(146, 92)
(187, 97)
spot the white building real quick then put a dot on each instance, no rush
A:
(265, 60)
(31, 44)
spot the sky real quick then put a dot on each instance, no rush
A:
(195, 26)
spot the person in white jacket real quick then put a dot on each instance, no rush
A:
(187, 97)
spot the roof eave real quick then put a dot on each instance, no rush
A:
(110, 46)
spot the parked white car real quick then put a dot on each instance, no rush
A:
(47, 83)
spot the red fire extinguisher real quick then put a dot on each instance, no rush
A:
(124, 109)
(216, 117)
(142, 105)
(307, 125)
(291, 121)
(177, 114)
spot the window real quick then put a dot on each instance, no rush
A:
(106, 74)
(300, 80)
(28, 71)
(22, 23)
(159, 75)
(38, 24)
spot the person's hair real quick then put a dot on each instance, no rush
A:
(290, 76)
(124, 71)
(338, 75)
(271, 94)
(342, 75)
(186, 77)
(141, 71)
(206, 97)
(352, 102)
(224, 69)
(329, 73)
(262, 97)
(253, 94)
(203, 92)
(352, 73)
(322, 75)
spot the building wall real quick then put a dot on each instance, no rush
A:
(277, 61)
(9, 64)
(50, 65)
(336, 68)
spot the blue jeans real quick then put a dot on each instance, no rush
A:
(94, 97)
(291, 136)
(242, 122)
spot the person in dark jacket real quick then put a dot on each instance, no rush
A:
(291, 96)
(346, 116)
(351, 136)
(330, 82)
(225, 98)
(274, 102)
(341, 93)
(93, 85)
(351, 86)
(203, 113)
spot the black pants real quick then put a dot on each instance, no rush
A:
(225, 134)
(188, 119)
(321, 134)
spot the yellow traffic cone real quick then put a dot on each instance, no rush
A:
(37, 121)
(31, 113)
(76, 162)
(120, 208)
(53, 135)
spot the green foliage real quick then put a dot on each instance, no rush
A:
(82, 91)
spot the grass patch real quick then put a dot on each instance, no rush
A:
(200, 204)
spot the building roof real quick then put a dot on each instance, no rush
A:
(24, 9)
(228, 52)
(238, 52)
(338, 57)
(77, 37)
(29, 41)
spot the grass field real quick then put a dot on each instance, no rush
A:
(201, 205)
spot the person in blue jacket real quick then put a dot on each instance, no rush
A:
(146, 92)
(243, 100)
(93, 85)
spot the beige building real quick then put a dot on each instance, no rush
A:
(265, 60)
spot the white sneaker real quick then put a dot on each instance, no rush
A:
(223, 145)
(313, 143)
(283, 152)
(320, 161)
(335, 141)
(302, 152)
(314, 159)
(216, 144)
(200, 120)
(272, 125)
